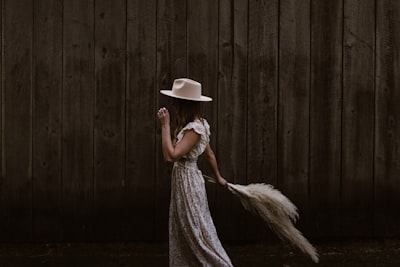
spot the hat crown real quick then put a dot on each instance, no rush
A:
(186, 88)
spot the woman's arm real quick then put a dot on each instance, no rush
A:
(212, 161)
(170, 152)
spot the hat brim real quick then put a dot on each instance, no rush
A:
(202, 98)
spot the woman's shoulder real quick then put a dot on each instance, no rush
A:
(200, 126)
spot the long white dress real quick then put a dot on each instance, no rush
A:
(193, 239)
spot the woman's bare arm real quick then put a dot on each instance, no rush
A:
(170, 152)
(212, 161)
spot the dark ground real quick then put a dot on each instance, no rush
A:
(377, 253)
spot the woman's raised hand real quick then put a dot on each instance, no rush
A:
(163, 116)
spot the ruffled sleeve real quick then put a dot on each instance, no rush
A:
(203, 129)
(196, 126)
(200, 127)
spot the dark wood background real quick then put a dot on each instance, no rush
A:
(306, 97)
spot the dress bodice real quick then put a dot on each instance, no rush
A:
(201, 127)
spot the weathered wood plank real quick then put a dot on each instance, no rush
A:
(1, 105)
(202, 39)
(47, 79)
(110, 72)
(78, 120)
(202, 50)
(294, 104)
(171, 64)
(325, 116)
(232, 91)
(262, 92)
(387, 134)
(16, 187)
(141, 127)
(358, 117)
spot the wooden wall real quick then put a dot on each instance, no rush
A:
(306, 97)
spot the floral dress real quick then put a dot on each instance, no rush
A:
(193, 239)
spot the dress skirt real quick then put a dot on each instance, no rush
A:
(193, 239)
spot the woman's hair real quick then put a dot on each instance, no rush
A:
(186, 111)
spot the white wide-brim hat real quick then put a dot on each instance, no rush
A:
(185, 88)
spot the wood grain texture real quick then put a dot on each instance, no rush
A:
(305, 96)
(262, 92)
(16, 187)
(262, 95)
(294, 104)
(78, 120)
(141, 110)
(171, 64)
(47, 122)
(1, 104)
(110, 79)
(387, 119)
(202, 42)
(325, 116)
(232, 106)
(358, 118)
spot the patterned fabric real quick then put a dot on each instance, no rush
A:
(193, 239)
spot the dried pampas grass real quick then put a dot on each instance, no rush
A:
(275, 209)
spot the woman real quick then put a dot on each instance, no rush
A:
(193, 239)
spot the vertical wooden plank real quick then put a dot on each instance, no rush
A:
(358, 117)
(1, 100)
(232, 92)
(202, 39)
(16, 187)
(141, 131)
(78, 119)
(325, 116)
(202, 50)
(294, 102)
(47, 73)
(110, 71)
(171, 64)
(262, 99)
(387, 131)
